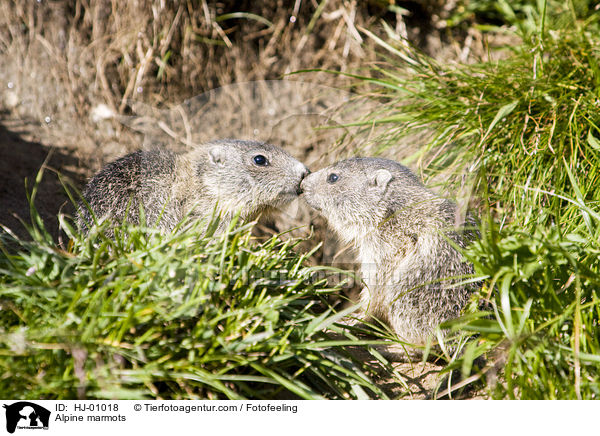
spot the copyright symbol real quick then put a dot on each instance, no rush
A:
(137, 407)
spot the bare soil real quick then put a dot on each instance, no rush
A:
(23, 155)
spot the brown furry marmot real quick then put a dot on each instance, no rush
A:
(402, 232)
(223, 177)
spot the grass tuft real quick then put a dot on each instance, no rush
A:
(190, 314)
(525, 129)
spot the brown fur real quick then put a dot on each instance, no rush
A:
(402, 232)
(219, 177)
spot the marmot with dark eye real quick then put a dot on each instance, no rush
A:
(406, 239)
(222, 177)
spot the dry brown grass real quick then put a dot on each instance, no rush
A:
(64, 58)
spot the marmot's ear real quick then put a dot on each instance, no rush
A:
(217, 155)
(380, 179)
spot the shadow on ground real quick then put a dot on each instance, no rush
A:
(20, 160)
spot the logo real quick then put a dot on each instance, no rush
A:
(26, 415)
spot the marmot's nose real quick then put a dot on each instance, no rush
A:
(302, 184)
(304, 171)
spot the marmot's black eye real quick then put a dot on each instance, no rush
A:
(332, 178)
(260, 160)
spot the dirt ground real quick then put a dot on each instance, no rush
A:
(23, 155)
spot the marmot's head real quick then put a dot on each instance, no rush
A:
(250, 176)
(357, 194)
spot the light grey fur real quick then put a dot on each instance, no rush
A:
(401, 230)
(219, 176)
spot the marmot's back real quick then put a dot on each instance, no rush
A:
(142, 178)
